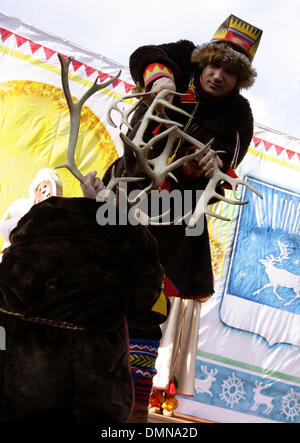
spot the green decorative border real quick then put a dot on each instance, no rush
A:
(246, 366)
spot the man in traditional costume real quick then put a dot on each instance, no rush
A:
(211, 76)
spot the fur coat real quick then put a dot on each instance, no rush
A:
(187, 260)
(63, 266)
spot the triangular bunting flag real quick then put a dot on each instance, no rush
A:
(89, 71)
(279, 149)
(34, 46)
(256, 140)
(102, 76)
(290, 153)
(76, 64)
(116, 83)
(20, 40)
(48, 52)
(267, 145)
(5, 34)
(128, 87)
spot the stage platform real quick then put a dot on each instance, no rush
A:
(176, 418)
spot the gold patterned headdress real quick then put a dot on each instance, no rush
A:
(239, 33)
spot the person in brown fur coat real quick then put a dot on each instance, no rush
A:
(69, 288)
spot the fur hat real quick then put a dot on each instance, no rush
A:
(235, 42)
(222, 52)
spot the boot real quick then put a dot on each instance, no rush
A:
(140, 414)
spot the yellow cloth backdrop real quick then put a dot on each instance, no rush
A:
(34, 119)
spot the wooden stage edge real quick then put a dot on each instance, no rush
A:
(176, 418)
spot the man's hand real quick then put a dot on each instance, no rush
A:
(157, 86)
(206, 162)
(91, 185)
(163, 83)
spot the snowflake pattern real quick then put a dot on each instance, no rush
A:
(290, 405)
(232, 390)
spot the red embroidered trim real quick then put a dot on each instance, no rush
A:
(155, 71)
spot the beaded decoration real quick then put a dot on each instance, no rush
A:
(44, 321)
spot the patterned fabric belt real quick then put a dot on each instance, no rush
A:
(44, 321)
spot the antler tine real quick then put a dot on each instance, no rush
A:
(75, 112)
(210, 192)
(157, 105)
(104, 194)
(176, 221)
(234, 182)
(226, 200)
(116, 180)
(145, 147)
(160, 100)
(154, 221)
(97, 86)
(202, 149)
(65, 63)
(125, 114)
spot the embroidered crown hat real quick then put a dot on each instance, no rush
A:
(235, 42)
(239, 33)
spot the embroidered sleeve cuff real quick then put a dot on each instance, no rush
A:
(155, 71)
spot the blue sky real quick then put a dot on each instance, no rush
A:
(114, 29)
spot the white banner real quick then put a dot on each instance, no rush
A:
(249, 349)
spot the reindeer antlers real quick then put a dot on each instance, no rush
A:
(210, 192)
(157, 168)
(75, 111)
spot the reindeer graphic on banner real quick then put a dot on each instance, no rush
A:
(280, 277)
(262, 293)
